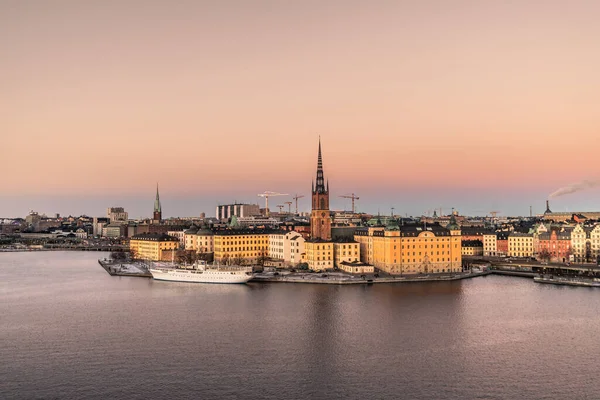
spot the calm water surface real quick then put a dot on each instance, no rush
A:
(68, 330)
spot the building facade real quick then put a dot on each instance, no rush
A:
(472, 248)
(151, 246)
(412, 249)
(554, 246)
(490, 245)
(239, 245)
(520, 245)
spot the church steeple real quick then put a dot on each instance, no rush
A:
(157, 215)
(320, 220)
(320, 188)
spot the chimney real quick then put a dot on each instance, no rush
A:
(547, 207)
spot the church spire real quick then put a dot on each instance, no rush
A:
(320, 188)
(157, 201)
(157, 215)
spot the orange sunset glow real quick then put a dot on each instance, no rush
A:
(418, 104)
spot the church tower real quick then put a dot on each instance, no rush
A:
(320, 219)
(157, 215)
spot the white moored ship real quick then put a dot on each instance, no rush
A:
(202, 273)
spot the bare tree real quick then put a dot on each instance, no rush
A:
(544, 255)
(238, 261)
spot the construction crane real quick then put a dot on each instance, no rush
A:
(280, 206)
(494, 213)
(289, 203)
(296, 197)
(353, 197)
(268, 194)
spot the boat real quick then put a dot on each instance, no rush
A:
(571, 281)
(200, 272)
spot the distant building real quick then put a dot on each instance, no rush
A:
(226, 211)
(568, 216)
(116, 214)
(98, 224)
(114, 230)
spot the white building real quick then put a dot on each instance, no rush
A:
(286, 246)
(585, 243)
(116, 214)
(226, 211)
(180, 235)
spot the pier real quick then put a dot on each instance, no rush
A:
(125, 268)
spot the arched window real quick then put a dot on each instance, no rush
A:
(322, 203)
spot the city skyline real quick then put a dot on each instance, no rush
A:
(474, 106)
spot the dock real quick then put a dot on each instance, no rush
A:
(125, 268)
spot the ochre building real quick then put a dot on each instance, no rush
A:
(411, 249)
(151, 246)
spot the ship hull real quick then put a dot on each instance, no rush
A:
(200, 276)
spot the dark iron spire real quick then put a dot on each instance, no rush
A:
(320, 188)
(157, 207)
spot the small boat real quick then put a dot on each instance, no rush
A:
(200, 272)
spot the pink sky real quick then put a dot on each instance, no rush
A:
(226, 99)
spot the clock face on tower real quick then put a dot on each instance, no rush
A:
(323, 215)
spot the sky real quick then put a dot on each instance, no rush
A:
(477, 105)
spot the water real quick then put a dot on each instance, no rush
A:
(68, 330)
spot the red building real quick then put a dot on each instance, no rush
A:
(502, 244)
(555, 244)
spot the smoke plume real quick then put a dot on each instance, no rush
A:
(575, 187)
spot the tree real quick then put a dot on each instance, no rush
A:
(238, 261)
(118, 255)
(261, 259)
(544, 255)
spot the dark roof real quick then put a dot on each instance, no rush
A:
(155, 237)
(472, 243)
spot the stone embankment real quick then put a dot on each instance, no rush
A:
(339, 278)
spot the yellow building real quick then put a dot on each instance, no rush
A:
(520, 245)
(356, 267)
(411, 249)
(151, 246)
(319, 254)
(200, 240)
(249, 246)
(472, 248)
(347, 252)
